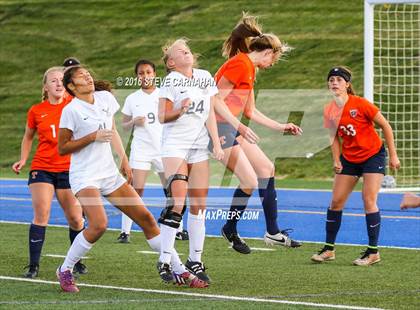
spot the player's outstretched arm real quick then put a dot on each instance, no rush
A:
(221, 109)
(25, 149)
(118, 147)
(214, 135)
(379, 119)
(252, 113)
(335, 151)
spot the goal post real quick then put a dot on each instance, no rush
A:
(392, 78)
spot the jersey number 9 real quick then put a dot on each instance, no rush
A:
(151, 117)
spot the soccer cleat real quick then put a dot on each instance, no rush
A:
(237, 243)
(165, 272)
(33, 270)
(281, 238)
(80, 268)
(189, 279)
(123, 238)
(324, 255)
(67, 281)
(198, 269)
(182, 235)
(367, 259)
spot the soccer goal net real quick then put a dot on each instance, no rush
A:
(392, 78)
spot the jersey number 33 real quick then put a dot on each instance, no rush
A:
(348, 130)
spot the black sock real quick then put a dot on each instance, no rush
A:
(36, 240)
(268, 196)
(373, 224)
(73, 234)
(332, 226)
(239, 203)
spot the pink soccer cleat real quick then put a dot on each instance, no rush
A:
(67, 281)
(189, 279)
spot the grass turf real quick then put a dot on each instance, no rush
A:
(281, 274)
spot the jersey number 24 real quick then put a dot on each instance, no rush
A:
(199, 108)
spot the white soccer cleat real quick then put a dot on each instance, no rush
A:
(281, 238)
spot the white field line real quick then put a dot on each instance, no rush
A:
(107, 302)
(158, 185)
(62, 256)
(154, 205)
(13, 186)
(213, 296)
(153, 252)
(216, 236)
(262, 249)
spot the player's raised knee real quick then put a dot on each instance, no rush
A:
(99, 228)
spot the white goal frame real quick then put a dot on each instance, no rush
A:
(369, 58)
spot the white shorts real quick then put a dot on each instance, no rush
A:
(146, 164)
(191, 156)
(105, 185)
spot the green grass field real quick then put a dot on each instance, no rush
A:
(283, 274)
(110, 36)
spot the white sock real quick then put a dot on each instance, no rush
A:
(167, 242)
(77, 250)
(181, 226)
(154, 243)
(126, 224)
(197, 234)
(177, 265)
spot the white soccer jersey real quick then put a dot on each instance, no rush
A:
(147, 138)
(188, 131)
(94, 161)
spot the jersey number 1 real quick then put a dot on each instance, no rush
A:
(53, 131)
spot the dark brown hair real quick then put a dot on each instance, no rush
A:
(350, 89)
(68, 78)
(144, 62)
(247, 36)
(102, 85)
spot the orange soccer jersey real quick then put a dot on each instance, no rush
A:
(354, 124)
(45, 118)
(240, 71)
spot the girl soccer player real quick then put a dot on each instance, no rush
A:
(140, 112)
(351, 121)
(87, 131)
(186, 110)
(49, 171)
(248, 49)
